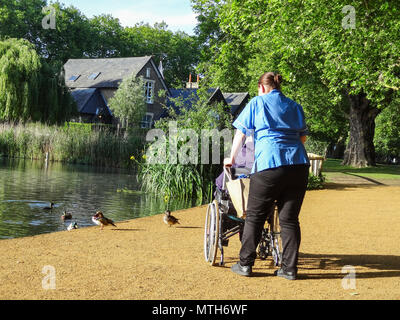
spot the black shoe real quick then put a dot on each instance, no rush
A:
(285, 274)
(242, 270)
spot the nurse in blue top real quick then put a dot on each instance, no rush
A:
(279, 173)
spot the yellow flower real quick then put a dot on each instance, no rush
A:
(144, 157)
(166, 198)
(132, 158)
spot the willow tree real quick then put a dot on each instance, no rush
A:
(29, 88)
(337, 59)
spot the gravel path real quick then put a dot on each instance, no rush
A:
(145, 259)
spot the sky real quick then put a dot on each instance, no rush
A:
(177, 14)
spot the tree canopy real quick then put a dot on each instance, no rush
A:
(128, 103)
(333, 70)
(102, 36)
(29, 88)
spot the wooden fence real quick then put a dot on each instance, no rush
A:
(316, 162)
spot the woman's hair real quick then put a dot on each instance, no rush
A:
(271, 79)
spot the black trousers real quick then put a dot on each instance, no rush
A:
(287, 185)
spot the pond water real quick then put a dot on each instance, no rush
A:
(27, 187)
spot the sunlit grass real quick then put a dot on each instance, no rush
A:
(332, 167)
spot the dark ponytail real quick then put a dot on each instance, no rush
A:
(271, 79)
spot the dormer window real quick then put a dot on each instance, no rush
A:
(148, 72)
(74, 77)
(93, 76)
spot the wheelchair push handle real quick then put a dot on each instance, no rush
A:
(228, 173)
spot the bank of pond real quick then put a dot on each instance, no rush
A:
(28, 187)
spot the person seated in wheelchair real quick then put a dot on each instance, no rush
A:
(241, 169)
(230, 222)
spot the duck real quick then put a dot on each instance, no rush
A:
(101, 220)
(72, 226)
(170, 220)
(49, 208)
(66, 216)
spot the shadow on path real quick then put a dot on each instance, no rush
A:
(365, 178)
(382, 266)
(181, 227)
(120, 229)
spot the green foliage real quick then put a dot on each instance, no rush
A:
(194, 179)
(21, 19)
(324, 64)
(128, 103)
(19, 80)
(29, 88)
(316, 146)
(387, 133)
(178, 51)
(315, 182)
(107, 35)
(101, 36)
(207, 30)
(334, 167)
(72, 143)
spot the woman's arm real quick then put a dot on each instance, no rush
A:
(237, 143)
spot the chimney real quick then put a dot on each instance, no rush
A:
(192, 85)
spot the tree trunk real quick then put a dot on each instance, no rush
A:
(360, 150)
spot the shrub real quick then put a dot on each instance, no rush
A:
(315, 182)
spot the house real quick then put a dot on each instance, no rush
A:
(237, 102)
(93, 82)
(234, 101)
(189, 96)
(91, 105)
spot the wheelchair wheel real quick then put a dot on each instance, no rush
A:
(276, 248)
(275, 238)
(211, 232)
(264, 245)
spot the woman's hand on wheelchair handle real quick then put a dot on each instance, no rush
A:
(228, 162)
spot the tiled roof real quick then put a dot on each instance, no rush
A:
(110, 71)
(235, 100)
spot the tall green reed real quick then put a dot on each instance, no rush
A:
(71, 143)
(187, 180)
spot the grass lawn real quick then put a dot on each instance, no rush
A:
(333, 167)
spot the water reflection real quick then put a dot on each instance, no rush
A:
(27, 187)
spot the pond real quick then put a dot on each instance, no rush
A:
(27, 187)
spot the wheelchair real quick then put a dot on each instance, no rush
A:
(222, 223)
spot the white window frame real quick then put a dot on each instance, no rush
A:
(145, 124)
(148, 72)
(149, 86)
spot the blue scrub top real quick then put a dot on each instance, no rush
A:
(277, 123)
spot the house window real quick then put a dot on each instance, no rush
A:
(93, 76)
(148, 70)
(149, 91)
(74, 77)
(147, 120)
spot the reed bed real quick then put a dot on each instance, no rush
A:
(70, 143)
(179, 181)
